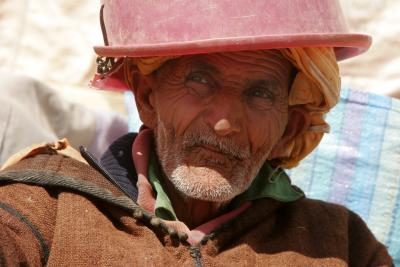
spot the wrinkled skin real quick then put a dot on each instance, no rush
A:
(217, 118)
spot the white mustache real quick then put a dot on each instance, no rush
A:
(225, 146)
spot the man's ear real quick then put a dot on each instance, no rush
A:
(299, 121)
(145, 99)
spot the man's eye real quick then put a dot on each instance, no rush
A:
(260, 98)
(197, 77)
(262, 93)
(199, 84)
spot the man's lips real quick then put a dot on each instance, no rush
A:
(214, 149)
(218, 152)
(213, 158)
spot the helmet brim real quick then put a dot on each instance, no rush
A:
(346, 45)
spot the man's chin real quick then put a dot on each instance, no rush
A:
(204, 183)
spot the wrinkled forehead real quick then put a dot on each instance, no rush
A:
(266, 62)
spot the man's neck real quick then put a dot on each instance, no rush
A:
(192, 212)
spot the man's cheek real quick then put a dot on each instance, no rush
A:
(176, 117)
(261, 137)
(186, 116)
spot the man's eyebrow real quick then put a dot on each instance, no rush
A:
(205, 66)
(264, 83)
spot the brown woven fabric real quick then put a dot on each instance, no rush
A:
(63, 227)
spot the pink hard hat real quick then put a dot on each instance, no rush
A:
(137, 28)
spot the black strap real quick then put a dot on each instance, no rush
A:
(57, 180)
(34, 230)
(95, 164)
(103, 26)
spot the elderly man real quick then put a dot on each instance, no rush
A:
(225, 107)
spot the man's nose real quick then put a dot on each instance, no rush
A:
(224, 116)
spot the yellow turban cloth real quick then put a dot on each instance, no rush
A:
(316, 87)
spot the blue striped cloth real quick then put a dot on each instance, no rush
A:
(356, 165)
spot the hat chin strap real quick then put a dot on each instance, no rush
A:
(103, 26)
(104, 65)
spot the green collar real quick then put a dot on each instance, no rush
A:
(277, 187)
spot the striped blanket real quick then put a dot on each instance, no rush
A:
(356, 165)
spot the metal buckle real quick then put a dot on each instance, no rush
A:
(104, 64)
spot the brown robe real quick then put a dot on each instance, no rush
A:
(58, 211)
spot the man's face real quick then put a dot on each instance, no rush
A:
(218, 116)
